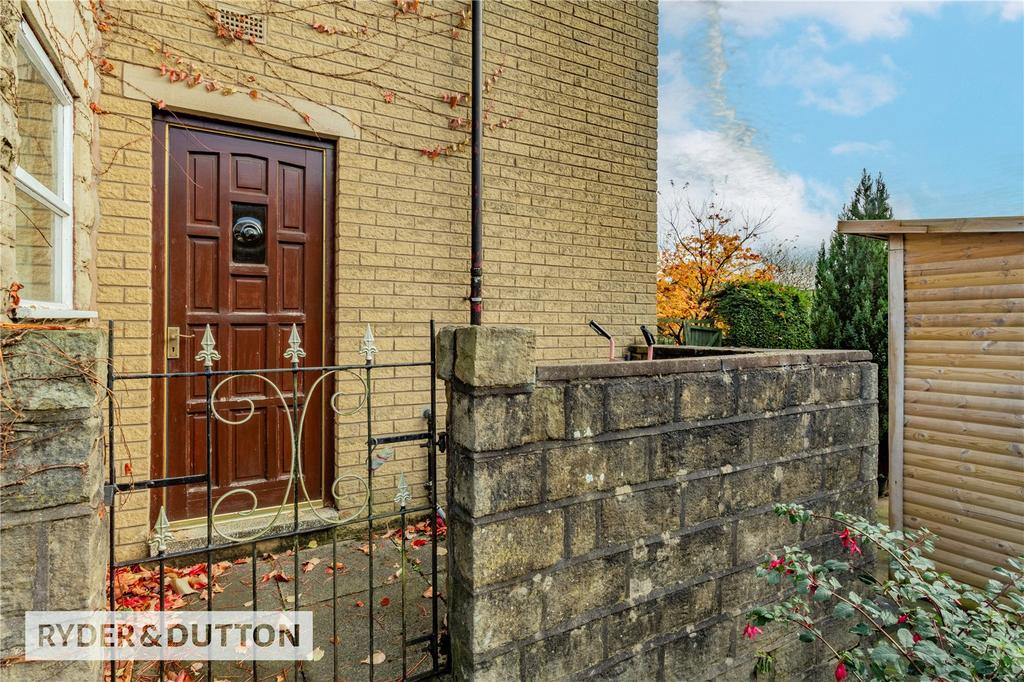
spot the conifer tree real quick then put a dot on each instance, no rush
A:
(851, 305)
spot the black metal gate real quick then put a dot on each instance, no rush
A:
(424, 653)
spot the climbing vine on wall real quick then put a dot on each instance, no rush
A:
(372, 47)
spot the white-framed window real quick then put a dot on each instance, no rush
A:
(43, 182)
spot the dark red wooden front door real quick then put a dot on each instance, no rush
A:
(246, 224)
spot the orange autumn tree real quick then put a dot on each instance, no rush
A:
(705, 249)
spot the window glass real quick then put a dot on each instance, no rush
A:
(36, 232)
(38, 113)
(43, 215)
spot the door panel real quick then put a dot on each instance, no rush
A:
(250, 288)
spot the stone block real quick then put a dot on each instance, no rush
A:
(824, 506)
(445, 349)
(49, 671)
(678, 453)
(641, 401)
(851, 425)
(744, 589)
(57, 461)
(868, 381)
(843, 469)
(643, 666)
(495, 484)
(495, 356)
(837, 633)
(799, 479)
(586, 467)
(49, 564)
(694, 655)
(792, 657)
(771, 389)
(742, 490)
(581, 527)
(41, 373)
(630, 628)
(708, 395)
(631, 515)
(559, 656)
(493, 619)
(582, 587)
(689, 605)
(584, 404)
(869, 463)
(498, 669)
(778, 635)
(678, 560)
(503, 550)
(760, 534)
(780, 436)
(76, 563)
(862, 501)
(702, 499)
(547, 409)
(833, 383)
(485, 423)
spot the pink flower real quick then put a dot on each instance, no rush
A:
(840, 671)
(849, 542)
(776, 561)
(917, 638)
(902, 618)
(751, 631)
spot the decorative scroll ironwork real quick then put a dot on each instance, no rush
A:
(286, 386)
(293, 354)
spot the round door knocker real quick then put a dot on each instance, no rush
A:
(247, 231)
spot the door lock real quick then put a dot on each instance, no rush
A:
(173, 343)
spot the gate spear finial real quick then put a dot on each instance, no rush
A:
(368, 348)
(294, 351)
(209, 352)
(161, 532)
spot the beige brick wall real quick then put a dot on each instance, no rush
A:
(570, 227)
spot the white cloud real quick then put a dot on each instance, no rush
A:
(1012, 10)
(839, 88)
(724, 156)
(747, 181)
(860, 148)
(856, 21)
(676, 103)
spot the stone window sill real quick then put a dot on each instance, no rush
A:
(40, 313)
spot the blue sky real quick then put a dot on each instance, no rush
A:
(777, 107)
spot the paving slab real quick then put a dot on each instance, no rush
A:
(340, 601)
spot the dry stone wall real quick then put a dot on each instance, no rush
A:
(52, 522)
(606, 519)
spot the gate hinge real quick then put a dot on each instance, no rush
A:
(442, 442)
(108, 495)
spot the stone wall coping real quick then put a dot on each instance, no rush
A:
(741, 359)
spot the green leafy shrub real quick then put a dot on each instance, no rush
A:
(764, 315)
(916, 625)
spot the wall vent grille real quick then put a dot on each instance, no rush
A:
(252, 25)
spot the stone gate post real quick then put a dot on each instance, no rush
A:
(52, 529)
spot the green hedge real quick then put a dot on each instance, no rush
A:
(764, 315)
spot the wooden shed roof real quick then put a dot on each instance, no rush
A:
(932, 225)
